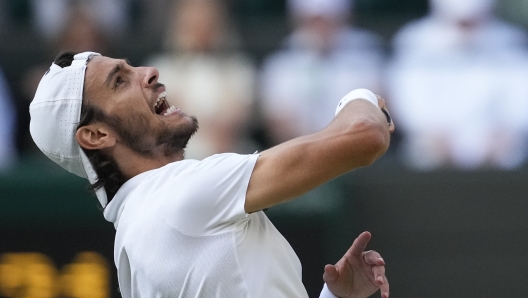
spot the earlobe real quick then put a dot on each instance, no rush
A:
(94, 137)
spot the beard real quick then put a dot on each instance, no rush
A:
(163, 140)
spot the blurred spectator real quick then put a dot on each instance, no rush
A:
(457, 88)
(152, 18)
(7, 126)
(81, 33)
(110, 15)
(207, 77)
(321, 61)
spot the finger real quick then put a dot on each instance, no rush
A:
(384, 288)
(383, 106)
(387, 116)
(366, 257)
(389, 119)
(379, 275)
(372, 257)
(330, 274)
(360, 244)
(381, 280)
(381, 101)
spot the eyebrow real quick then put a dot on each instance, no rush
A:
(116, 69)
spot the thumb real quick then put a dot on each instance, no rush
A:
(330, 274)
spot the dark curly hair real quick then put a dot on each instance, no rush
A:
(109, 175)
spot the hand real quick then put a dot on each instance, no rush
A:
(358, 274)
(383, 107)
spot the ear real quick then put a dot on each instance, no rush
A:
(95, 136)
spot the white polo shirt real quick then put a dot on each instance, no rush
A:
(182, 232)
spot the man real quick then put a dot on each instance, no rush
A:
(188, 228)
(461, 57)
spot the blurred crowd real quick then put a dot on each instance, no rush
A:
(455, 80)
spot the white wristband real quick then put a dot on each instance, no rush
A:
(325, 293)
(357, 94)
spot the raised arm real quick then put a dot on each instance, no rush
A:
(356, 137)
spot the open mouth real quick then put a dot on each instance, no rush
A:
(161, 107)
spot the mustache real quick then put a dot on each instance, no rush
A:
(157, 86)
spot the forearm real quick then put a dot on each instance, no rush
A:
(366, 121)
(355, 138)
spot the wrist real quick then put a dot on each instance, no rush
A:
(357, 94)
(325, 293)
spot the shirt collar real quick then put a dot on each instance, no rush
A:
(113, 210)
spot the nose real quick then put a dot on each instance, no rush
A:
(151, 76)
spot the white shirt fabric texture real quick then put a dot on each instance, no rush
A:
(182, 232)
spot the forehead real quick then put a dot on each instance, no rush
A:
(97, 71)
(98, 67)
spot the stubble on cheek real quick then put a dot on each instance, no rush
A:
(140, 135)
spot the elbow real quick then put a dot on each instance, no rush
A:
(374, 140)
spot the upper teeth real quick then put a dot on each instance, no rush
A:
(160, 99)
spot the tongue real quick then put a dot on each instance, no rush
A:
(162, 108)
(163, 112)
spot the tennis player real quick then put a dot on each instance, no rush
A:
(189, 228)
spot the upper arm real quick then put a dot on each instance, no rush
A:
(355, 138)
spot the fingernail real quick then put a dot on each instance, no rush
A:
(380, 278)
(381, 259)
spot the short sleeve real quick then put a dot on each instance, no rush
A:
(211, 195)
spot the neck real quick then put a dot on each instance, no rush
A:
(132, 163)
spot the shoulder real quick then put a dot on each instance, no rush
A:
(210, 196)
(223, 157)
(196, 171)
(219, 162)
